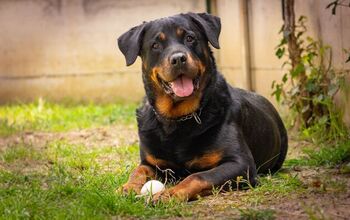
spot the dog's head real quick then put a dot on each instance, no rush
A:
(175, 59)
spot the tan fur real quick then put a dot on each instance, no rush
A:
(138, 177)
(165, 104)
(179, 32)
(162, 36)
(163, 164)
(168, 108)
(206, 161)
(187, 189)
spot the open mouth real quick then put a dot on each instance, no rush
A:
(182, 86)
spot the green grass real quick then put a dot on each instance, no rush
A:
(328, 156)
(279, 185)
(45, 116)
(254, 214)
(76, 186)
(61, 180)
(69, 181)
(66, 195)
(18, 152)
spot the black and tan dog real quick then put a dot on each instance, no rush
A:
(192, 121)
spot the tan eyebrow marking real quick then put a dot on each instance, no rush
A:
(179, 31)
(162, 36)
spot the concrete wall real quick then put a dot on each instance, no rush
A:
(264, 21)
(333, 30)
(65, 48)
(229, 56)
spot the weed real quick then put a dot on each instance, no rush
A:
(255, 214)
(335, 185)
(20, 151)
(314, 213)
(73, 156)
(311, 95)
(276, 186)
(309, 86)
(329, 156)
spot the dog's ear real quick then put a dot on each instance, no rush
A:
(211, 26)
(130, 43)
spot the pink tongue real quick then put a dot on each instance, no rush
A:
(182, 86)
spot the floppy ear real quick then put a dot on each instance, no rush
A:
(211, 26)
(130, 43)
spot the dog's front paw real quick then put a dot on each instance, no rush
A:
(163, 196)
(169, 194)
(128, 188)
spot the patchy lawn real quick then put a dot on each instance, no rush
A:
(44, 116)
(66, 161)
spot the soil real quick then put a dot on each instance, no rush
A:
(320, 200)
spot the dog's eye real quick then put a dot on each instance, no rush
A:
(155, 46)
(189, 38)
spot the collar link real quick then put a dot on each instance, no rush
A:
(196, 115)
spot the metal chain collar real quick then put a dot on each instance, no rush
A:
(194, 115)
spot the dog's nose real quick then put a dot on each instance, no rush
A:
(178, 59)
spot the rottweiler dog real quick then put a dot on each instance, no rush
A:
(192, 121)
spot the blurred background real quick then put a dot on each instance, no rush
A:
(66, 49)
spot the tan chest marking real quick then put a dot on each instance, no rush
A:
(168, 108)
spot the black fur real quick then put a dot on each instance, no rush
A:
(241, 124)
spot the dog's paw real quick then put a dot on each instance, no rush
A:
(168, 195)
(128, 188)
(163, 196)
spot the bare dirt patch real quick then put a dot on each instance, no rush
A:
(325, 195)
(103, 136)
(93, 138)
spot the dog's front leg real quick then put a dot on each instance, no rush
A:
(137, 178)
(202, 182)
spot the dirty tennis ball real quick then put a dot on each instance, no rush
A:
(152, 187)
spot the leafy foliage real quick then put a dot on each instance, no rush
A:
(308, 88)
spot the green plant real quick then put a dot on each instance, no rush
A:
(75, 184)
(254, 214)
(329, 156)
(19, 151)
(311, 82)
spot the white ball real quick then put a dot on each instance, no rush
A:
(152, 187)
